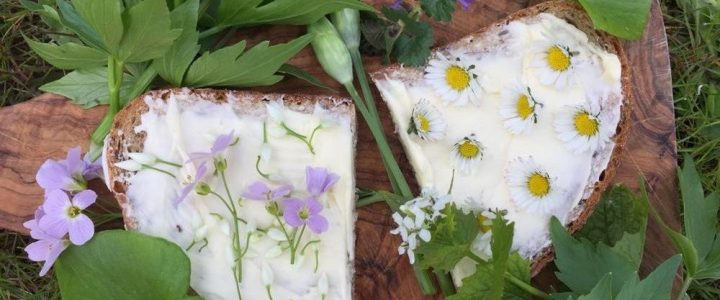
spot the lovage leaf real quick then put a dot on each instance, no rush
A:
(88, 87)
(699, 213)
(174, 64)
(621, 18)
(229, 66)
(68, 55)
(656, 286)
(104, 17)
(452, 237)
(120, 264)
(602, 291)
(148, 34)
(245, 13)
(70, 19)
(440, 10)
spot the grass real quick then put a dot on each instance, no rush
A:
(693, 28)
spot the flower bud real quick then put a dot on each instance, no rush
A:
(143, 158)
(220, 164)
(323, 284)
(266, 274)
(331, 51)
(202, 189)
(129, 165)
(347, 23)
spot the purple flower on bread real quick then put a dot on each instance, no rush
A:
(63, 215)
(68, 174)
(305, 212)
(200, 172)
(262, 192)
(221, 143)
(319, 180)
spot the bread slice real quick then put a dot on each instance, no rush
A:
(173, 123)
(496, 51)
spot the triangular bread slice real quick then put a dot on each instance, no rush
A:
(500, 55)
(172, 124)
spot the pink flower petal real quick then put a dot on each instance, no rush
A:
(84, 199)
(57, 201)
(39, 250)
(318, 224)
(81, 229)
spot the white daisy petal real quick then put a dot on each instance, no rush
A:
(467, 153)
(519, 108)
(583, 128)
(555, 63)
(427, 122)
(532, 188)
(453, 79)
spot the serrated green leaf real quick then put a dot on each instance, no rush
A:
(291, 12)
(452, 237)
(618, 212)
(621, 18)
(520, 268)
(229, 66)
(87, 87)
(68, 55)
(602, 291)
(699, 213)
(581, 264)
(440, 10)
(412, 46)
(502, 236)
(148, 33)
(656, 286)
(119, 264)
(105, 18)
(476, 286)
(175, 63)
(70, 19)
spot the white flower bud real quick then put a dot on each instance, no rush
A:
(143, 158)
(323, 285)
(266, 274)
(265, 152)
(331, 51)
(276, 234)
(275, 111)
(129, 165)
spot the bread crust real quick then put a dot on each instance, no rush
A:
(576, 16)
(123, 138)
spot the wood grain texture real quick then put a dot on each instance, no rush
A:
(47, 126)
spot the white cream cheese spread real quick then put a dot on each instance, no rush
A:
(504, 57)
(202, 225)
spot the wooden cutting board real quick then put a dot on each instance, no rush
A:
(46, 126)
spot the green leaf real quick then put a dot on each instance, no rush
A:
(440, 10)
(174, 64)
(622, 18)
(412, 46)
(502, 236)
(602, 291)
(87, 87)
(229, 66)
(148, 33)
(452, 237)
(520, 268)
(104, 17)
(476, 286)
(581, 264)
(299, 73)
(70, 19)
(657, 286)
(619, 211)
(120, 264)
(244, 13)
(68, 55)
(393, 200)
(710, 267)
(699, 213)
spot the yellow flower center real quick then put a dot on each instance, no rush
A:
(304, 213)
(538, 184)
(524, 110)
(585, 124)
(558, 59)
(468, 149)
(457, 77)
(422, 123)
(73, 211)
(481, 223)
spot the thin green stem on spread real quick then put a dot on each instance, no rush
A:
(259, 157)
(159, 170)
(169, 163)
(237, 273)
(293, 252)
(301, 137)
(312, 135)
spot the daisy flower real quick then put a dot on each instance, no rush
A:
(453, 79)
(555, 64)
(467, 153)
(583, 128)
(426, 122)
(519, 109)
(531, 187)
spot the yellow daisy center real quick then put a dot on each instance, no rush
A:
(558, 59)
(585, 124)
(524, 110)
(481, 223)
(457, 77)
(422, 123)
(538, 184)
(468, 149)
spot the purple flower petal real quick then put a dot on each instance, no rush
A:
(258, 190)
(92, 169)
(53, 175)
(56, 202)
(81, 229)
(39, 250)
(317, 223)
(202, 157)
(57, 248)
(466, 3)
(291, 209)
(319, 180)
(222, 142)
(84, 199)
(293, 219)
(74, 162)
(185, 191)
(56, 224)
(282, 191)
(313, 206)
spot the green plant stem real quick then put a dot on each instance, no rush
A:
(141, 84)
(426, 284)
(368, 201)
(210, 31)
(686, 284)
(114, 77)
(526, 287)
(298, 136)
(447, 287)
(237, 273)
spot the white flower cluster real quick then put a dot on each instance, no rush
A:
(414, 220)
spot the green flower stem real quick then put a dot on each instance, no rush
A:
(293, 253)
(237, 274)
(158, 170)
(141, 84)
(114, 75)
(210, 31)
(301, 137)
(686, 284)
(269, 294)
(447, 287)
(368, 201)
(526, 287)
(169, 163)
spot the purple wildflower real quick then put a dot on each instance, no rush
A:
(466, 3)
(298, 212)
(47, 249)
(261, 192)
(91, 169)
(63, 215)
(319, 180)
(222, 142)
(64, 174)
(199, 174)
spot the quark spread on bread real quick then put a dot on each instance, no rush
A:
(176, 128)
(521, 118)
